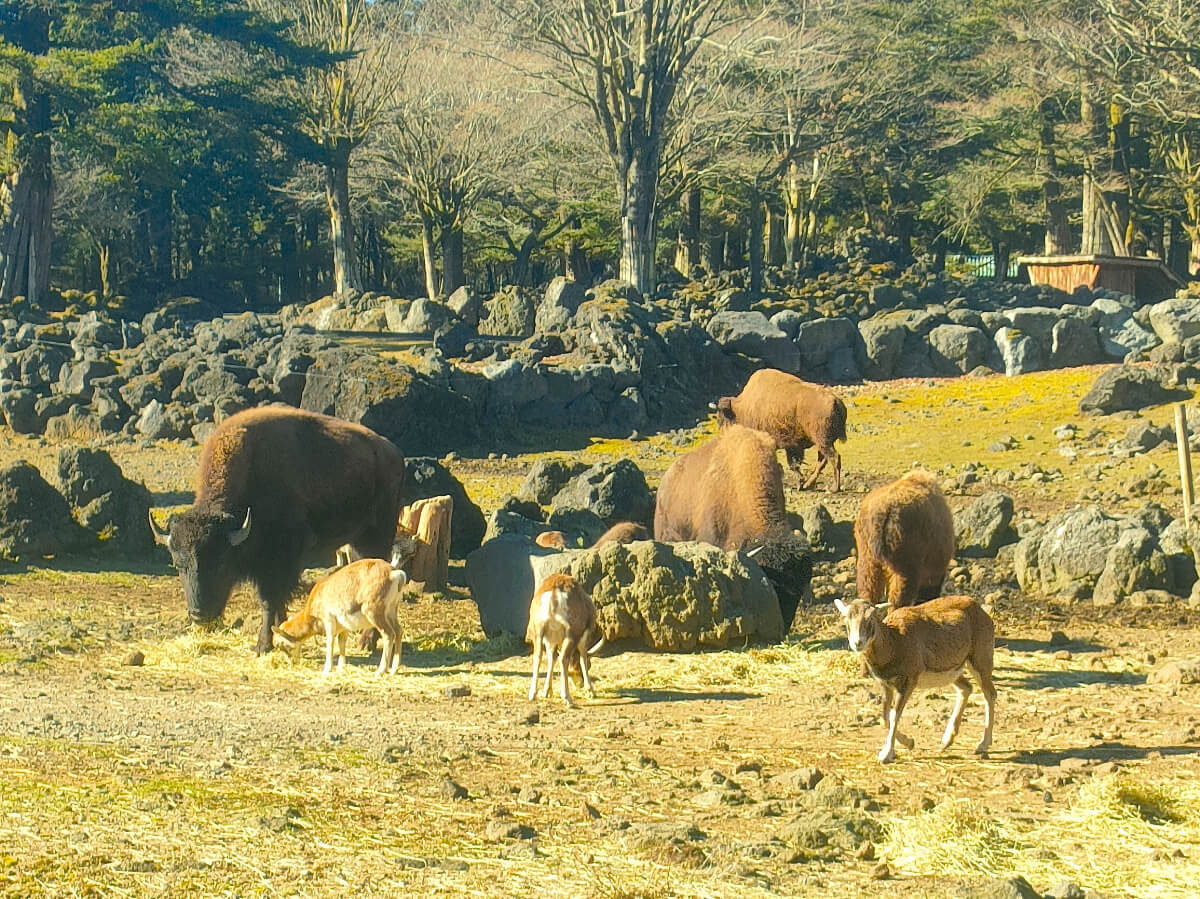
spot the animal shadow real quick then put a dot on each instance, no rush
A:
(647, 695)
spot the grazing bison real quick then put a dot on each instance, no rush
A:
(275, 484)
(904, 535)
(797, 414)
(729, 492)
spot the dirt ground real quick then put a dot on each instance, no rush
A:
(206, 771)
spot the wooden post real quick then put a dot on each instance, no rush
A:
(428, 520)
(1185, 463)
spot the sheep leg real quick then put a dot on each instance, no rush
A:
(889, 696)
(962, 687)
(888, 752)
(329, 638)
(537, 664)
(564, 689)
(583, 666)
(397, 648)
(549, 669)
(342, 650)
(984, 674)
(385, 656)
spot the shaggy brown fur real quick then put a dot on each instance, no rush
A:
(904, 535)
(726, 492)
(623, 532)
(925, 647)
(797, 414)
(551, 540)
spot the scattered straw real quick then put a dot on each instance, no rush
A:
(957, 837)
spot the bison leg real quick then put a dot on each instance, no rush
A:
(871, 582)
(902, 590)
(271, 617)
(795, 458)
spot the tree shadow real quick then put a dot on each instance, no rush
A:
(648, 695)
(1104, 753)
(94, 563)
(1013, 644)
(1037, 680)
(163, 499)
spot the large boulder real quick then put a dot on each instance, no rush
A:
(615, 491)
(500, 576)
(1019, 352)
(1120, 333)
(1074, 342)
(556, 311)
(35, 520)
(18, 408)
(883, 342)
(1134, 563)
(984, 526)
(1176, 320)
(418, 414)
(958, 349)
(424, 317)
(1127, 387)
(427, 477)
(466, 304)
(510, 313)
(105, 502)
(828, 347)
(752, 334)
(546, 477)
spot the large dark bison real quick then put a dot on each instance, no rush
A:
(275, 484)
(729, 492)
(797, 414)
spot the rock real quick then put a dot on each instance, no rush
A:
(1066, 889)
(557, 310)
(108, 504)
(19, 408)
(1177, 673)
(427, 477)
(579, 525)
(1069, 555)
(76, 424)
(183, 311)
(957, 349)
(614, 491)
(153, 422)
(509, 313)
(1120, 334)
(675, 597)
(1019, 352)
(998, 888)
(1175, 320)
(546, 478)
(819, 526)
(1143, 437)
(453, 337)
(456, 691)
(512, 384)
(751, 334)
(1074, 342)
(823, 342)
(135, 659)
(984, 526)
(1133, 564)
(424, 317)
(35, 520)
(800, 779)
(788, 321)
(504, 829)
(416, 413)
(500, 577)
(453, 790)
(75, 378)
(1127, 387)
(465, 304)
(1177, 545)
(883, 341)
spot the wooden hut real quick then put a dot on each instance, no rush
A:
(1142, 277)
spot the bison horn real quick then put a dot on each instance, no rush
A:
(239, 535)
(754, 552)
(161, 536)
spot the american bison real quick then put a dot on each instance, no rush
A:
(795, 413)
(275, 484)
(729, 492)
(904, 535)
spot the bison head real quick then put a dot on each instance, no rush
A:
(786, 560)
(204, 548)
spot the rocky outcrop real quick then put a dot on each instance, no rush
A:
(35, 520)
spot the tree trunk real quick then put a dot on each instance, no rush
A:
(1097, 235)
(757, 219)
(636, 192)
(158, 231)
(428, 521)
(1058, 223)
(1193, 264)
(775, 255)
(687, 256)
(27, 194)
(716, 253)
(792, 217)
(1000, 255)
(102, 254)
(290, 263)
(431, 285)
(452, 258)
(341, 229)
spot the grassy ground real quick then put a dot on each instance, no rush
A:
(205, 771)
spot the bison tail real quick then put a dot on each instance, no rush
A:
(837, 423)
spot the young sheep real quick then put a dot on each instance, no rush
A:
(361, 595)
(562, 619)
(921, 647)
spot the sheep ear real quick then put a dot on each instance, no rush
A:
(841, 607)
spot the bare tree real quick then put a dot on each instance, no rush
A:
(626, 61)
(343, 103)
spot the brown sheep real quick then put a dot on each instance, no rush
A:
(726, 492)
(623, 532)
(551, 540)
(795, 413)
(904, 535)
